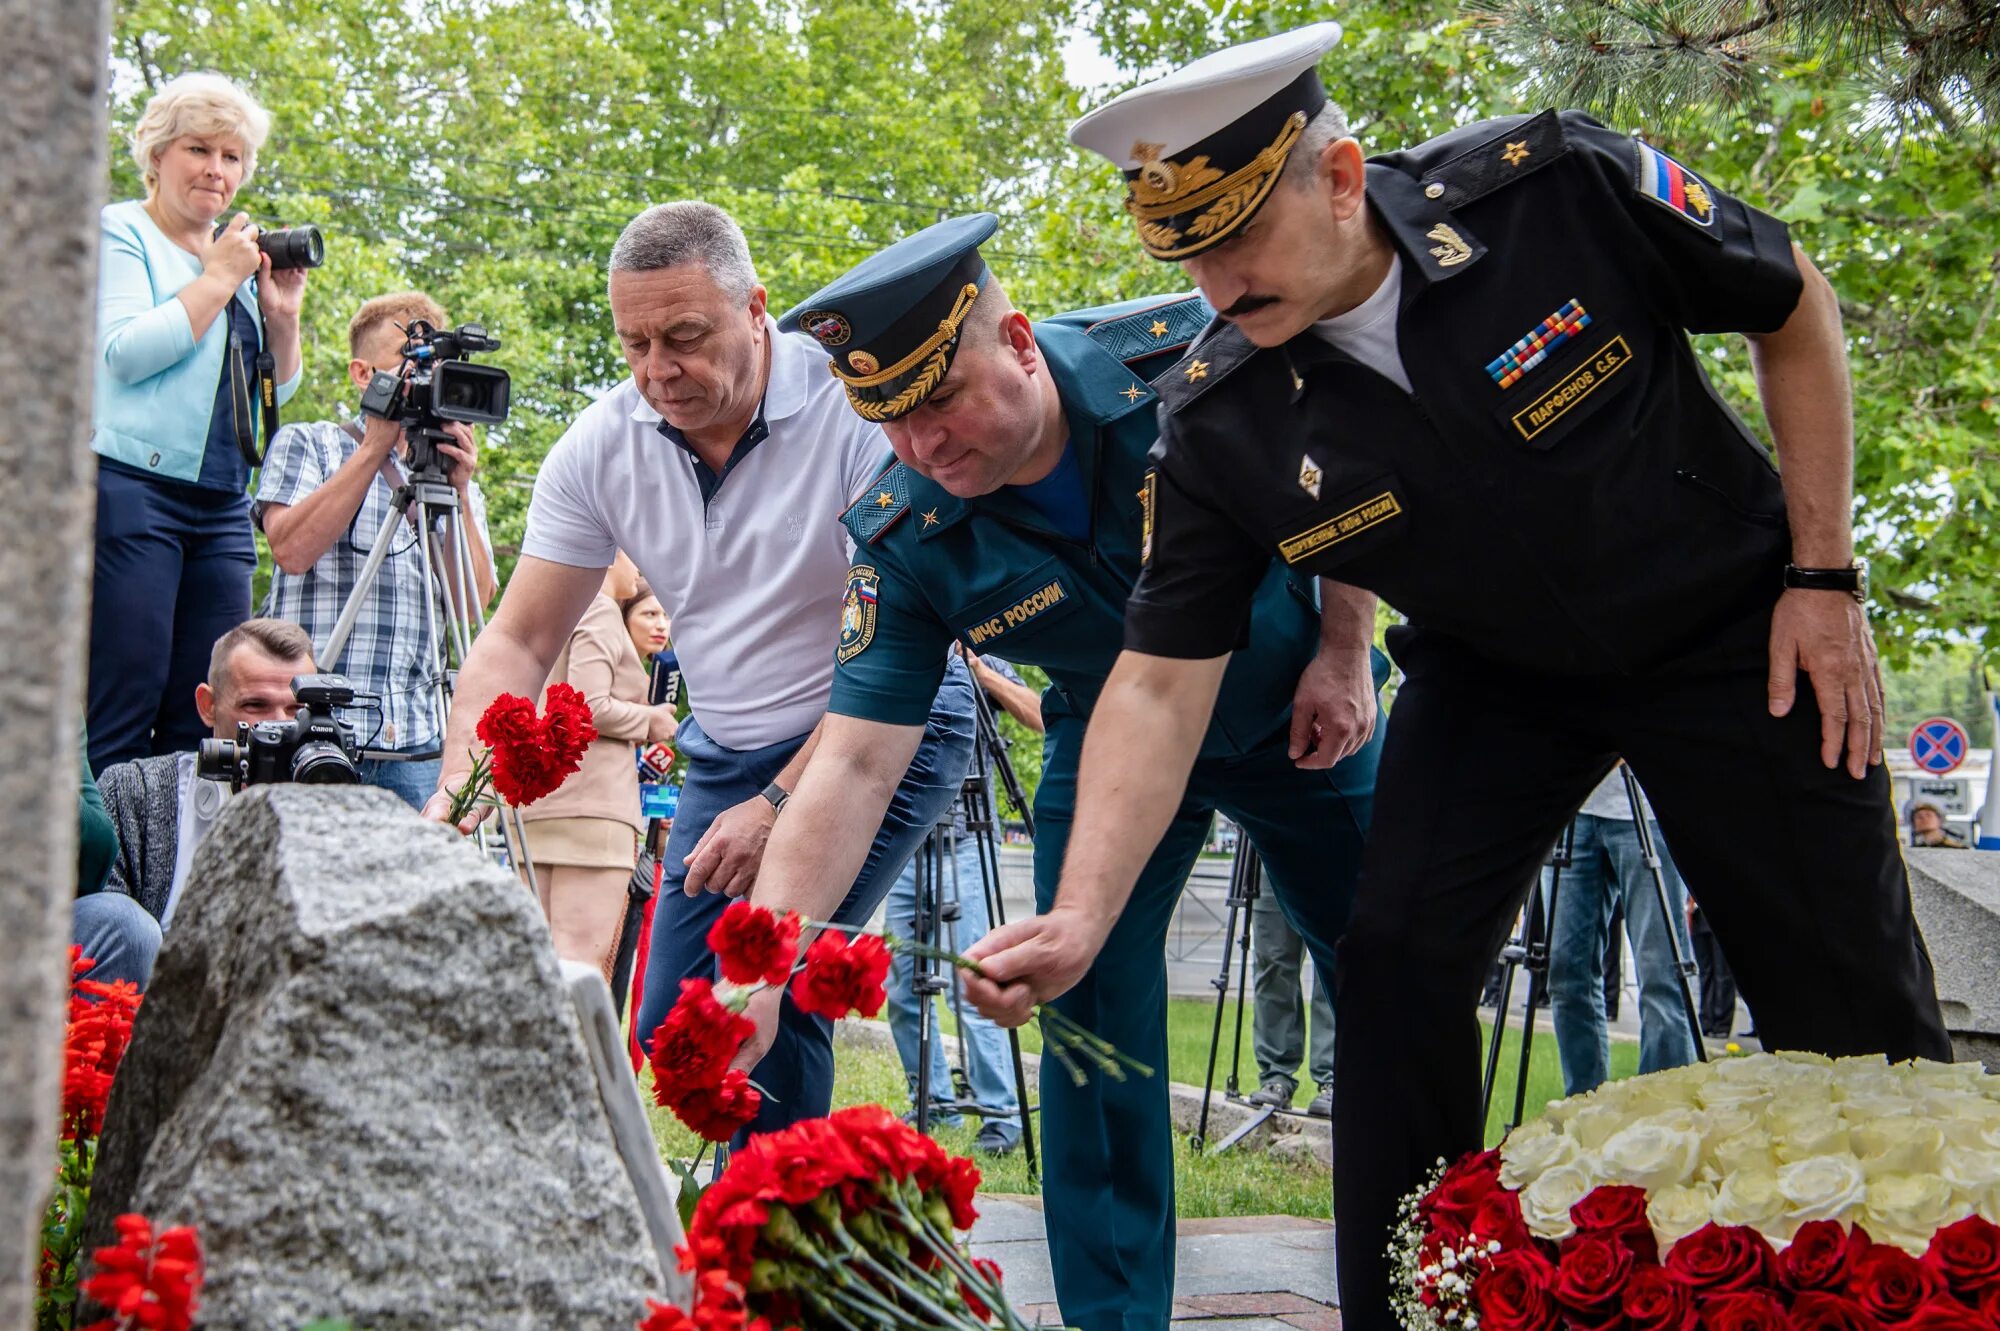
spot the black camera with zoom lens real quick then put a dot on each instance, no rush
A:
(313, 747)
(437, 383)
(289, 247)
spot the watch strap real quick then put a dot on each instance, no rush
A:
(776, 795)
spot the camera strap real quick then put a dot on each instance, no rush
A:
(266, 366)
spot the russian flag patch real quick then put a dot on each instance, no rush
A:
(1668, 183)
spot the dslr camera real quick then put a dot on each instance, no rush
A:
(289, 247)
(313, 747)
(438, 383)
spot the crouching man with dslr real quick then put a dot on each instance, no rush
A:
(328, 489)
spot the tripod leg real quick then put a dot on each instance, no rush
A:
(926, 923)
(1249, 873)
(1493, 1042)
(1670, 919)
(1541, 922)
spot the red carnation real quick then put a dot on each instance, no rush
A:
(526, 758)
(508, 720)
(1591, 1279)
(1821, 1256)
(1966, 1254)
(1618, 1211)
(568, 729)
(1655, 1301)
(1515, 1292)
(1744, 1310)
(1720, 1259)
(991, 1271)
(693, 1046)
(1824, 1310)
(1890, 1283)
(146, 1280)
(842, 976)
(1460, 1191)
(716, 1113)
(665, 1317)
(753, 944)
(960, 1185)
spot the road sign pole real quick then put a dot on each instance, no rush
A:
(1989, 818)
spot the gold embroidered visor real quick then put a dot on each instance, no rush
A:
(1203, 194)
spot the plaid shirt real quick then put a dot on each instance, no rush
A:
(385, 654)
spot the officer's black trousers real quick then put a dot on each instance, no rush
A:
(1797, 867)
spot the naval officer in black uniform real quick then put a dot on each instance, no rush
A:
(1459, 376)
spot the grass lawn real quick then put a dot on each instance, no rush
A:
(1239, 1183)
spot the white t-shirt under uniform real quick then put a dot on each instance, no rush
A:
(1368, 331)
(754, 578)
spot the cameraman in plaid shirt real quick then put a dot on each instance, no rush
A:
(327, 490)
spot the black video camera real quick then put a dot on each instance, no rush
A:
(289, 247)
(313, 747)
(438, 384)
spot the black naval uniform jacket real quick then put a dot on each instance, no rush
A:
(1601, 513)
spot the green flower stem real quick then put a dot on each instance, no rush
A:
(866, 1260)
(948, 1253)
(871, 1301)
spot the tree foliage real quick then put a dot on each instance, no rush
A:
(490, 150)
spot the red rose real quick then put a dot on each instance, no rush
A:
(1989, 1305)
(1823, 1310)
(716, 1113)
(1966, 1254)
(1821, 1256)
(1499, 1218)
(1460, 1191)
(842, 976)
(753, 944)
(1655, 1301)
(693, 1046)
(1744, 1310)
(1618, 1211)
(1591, 1279)
(1515, 1292)
(1719, 1259)
(1890, 1283)
(1943, 1313)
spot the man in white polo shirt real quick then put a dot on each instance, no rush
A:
(721, 467)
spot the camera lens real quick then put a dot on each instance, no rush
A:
(321, 763)
(293, 247)
(218, 760)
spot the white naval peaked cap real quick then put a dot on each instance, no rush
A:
(1202, 147)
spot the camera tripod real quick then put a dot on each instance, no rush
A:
(426, 507)
(1246, 877)
(937, 913)
(1530, 949)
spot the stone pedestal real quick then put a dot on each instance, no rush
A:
(359, 1074)
(1957, 898)
(52, 142)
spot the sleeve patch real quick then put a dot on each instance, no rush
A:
(857, 612)
(1680, 191)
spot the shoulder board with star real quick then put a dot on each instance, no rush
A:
(881, 504)
(1220, 349)
(1516, 151)
(1156, 330)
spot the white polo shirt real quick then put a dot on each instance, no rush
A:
(753, 578)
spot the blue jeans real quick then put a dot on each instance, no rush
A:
(1608, 872)
(172, 575)
(117, 933)
(797, 1073)
(415, 782)
(989, 1060)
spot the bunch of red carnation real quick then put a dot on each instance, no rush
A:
(701, 1035)
(838, 1222)
(147, 1280)
(100, 1030)
(526, 756)
(1469, 1260)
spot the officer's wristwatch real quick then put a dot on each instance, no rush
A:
(1853, 579)
(777, 795)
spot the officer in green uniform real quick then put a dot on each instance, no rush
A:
(1459, 375)
(1013, 521)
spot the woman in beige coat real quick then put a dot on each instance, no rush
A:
(584, 838)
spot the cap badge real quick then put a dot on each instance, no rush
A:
(1183, 208)
(1160, 177)
(862, 363)
(829, 328)
(1451, 249)
(1309, 476)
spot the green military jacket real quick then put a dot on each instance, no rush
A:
(991, 573)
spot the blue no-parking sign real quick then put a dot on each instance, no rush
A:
(1938, 745)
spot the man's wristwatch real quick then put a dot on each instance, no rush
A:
(777, 795)
(1853, 579)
